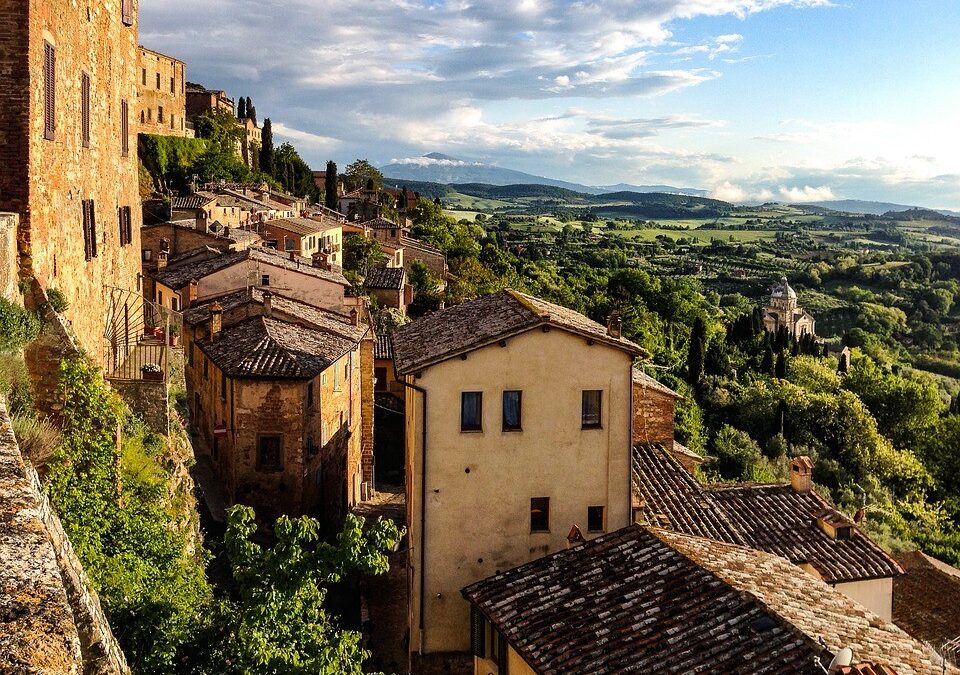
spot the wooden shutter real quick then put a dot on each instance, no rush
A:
(85, 109)
(478, 633)
(49, 91)
(87, 243)
(127, 11)
(124, 128)
(93, 229)
(129, 220)
(126, 225)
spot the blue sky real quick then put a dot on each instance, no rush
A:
(790, 100)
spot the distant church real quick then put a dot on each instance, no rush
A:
(782, 310)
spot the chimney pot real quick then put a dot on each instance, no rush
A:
(354, 317)
(192, 292)
(267, 304)
(801, 474)
(216, 321)
(162, 257)
(615, 325)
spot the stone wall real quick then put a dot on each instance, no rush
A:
(44, 355)
(9, 267)
(148, 400)
(161, 94)
(58, 624)
(652, 416)
(366, 411)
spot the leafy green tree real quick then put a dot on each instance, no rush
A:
(359, 173)
(738, 457)
(293, 173)
(696, 354)
(266, 148)
(361, 254)
(330, 187)
(424, 282)
(278, 623)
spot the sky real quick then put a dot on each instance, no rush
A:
(753, 100)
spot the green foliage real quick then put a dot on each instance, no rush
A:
(738, 457)
(696, 354)
(58, 301)
(38, 438)
(361, 254)
(266, 147)
(293, 173)
(170, 159)
(360, 173)
(18, 326)
(278, 623)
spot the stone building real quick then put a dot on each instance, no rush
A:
(251, 143)
(162, 94)
(175, 239)
(277, 400)
(388, 287)
(208, 211)
(654, 408)
(305, 237)
(782, 310)
(201, 100)
(519, 425)
(68, 95)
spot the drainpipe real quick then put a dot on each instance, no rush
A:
(423, 506)
(630, 415)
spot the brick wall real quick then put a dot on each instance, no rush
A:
(366, 409)
(652, 416)
(45, 181)
(167, 94)
(9, 266)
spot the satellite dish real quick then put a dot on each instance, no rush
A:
(843, 658)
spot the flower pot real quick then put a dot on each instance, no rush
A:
(174, 340)
(151, 376)
(158, 333)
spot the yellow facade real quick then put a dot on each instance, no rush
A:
(478, 485)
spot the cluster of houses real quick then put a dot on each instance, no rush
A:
(553, 523)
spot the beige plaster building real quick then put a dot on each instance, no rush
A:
(276, 403)
(518, 426)
(782, 310)
(68, 95)
(162, 94)
(305, 237)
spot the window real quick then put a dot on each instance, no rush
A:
(310, 395)
(272, 243)
(89, 230)
(336, 379)
(289, 244)
(471, 411)
(595, 518)
(149, 114)
(49, 91)
(478, 633)
(269, 456)
(498, 650)
(160, 114)
(127, 12)
(85, 109)
(380, 375)
(172, 88)
(158, 80)
(172, 117)
(126, 226)
(592, 405)
(175, 304)
(223, 387)
(511, 410)
(144, 77)
(125, 128)
(264, 279)
(539, 514)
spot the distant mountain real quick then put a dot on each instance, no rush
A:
(436, 167)
(871, 208)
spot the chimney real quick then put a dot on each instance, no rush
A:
(860, 515)
(801, 474)
(192, 292)
(216, 321)
(354, 317)
(615, 326)
(162, 257)
(321, 260)
(267, 304)
(164, 244)
(575, 537)
(293, 255)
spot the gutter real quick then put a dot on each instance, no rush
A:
(423, 509)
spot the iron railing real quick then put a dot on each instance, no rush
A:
(138, 337)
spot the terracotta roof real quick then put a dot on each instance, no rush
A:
(926, 598)
(284, 308)
(300, 226)
(772, 518)
(380, 224)
(477, 323)
(194, 201)
(417, 245)
(641, 378)
(262, 347)
(391, 278)
(383, 348)
(178, 276)
(646, 600)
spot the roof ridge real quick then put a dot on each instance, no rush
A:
(524, 301)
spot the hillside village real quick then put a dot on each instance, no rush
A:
(483, 483)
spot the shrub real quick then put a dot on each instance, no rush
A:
(18, 326)
(58, 300)
(38, 438)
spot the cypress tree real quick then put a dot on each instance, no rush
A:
(266, 149)
(696, 355)
(252, 113)
(330, 187)
(241, 108)
(843, 366)
(249, 108)
(766, 364)
(781, 369)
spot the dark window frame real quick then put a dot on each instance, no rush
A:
(589, 419)
(539, 514)
(85, 109)
(125, 215)
(126, 12)
(124, 128)
(89, 229)
(49, 91)
(593, 513)
(475, 426)
(268, 466)
(519, 423)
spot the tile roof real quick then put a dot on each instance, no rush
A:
(262, 347)
(641, 378)
(178, 276)
(647, 600)
(284, 308)
(772, 518)
(194, 201)
(391, 278)
(477, 323)
(417, 245)
(301, 226)
(383, 348)
(380, 224)
(926, 598)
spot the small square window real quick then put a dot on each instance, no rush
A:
(264, 279)
(269, 455)
(595, 518)
(471, 411)
(539, 514)
(511, 410)
(591, 409)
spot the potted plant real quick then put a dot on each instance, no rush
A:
(174, 337)
(151, 372)
(158, 333)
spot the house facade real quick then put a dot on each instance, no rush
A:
(68, 99)
(518, 426)
(162, 94)
(305, 237)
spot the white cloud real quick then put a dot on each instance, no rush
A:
(806, 194)
(305, 137)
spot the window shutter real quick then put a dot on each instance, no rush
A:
(93, 230)
(477, 633)
(87, 247)
(127, 11)
(85, 109)
(49, 91)
(129, 217)
(501, 655)
(124, 128)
